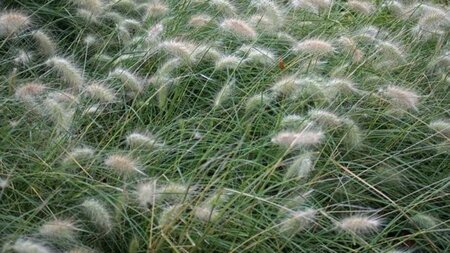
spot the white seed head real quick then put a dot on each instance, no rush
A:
(29, 91)
(224, 6)
(147, 194)
(442, 127)
(67, 70)
(314, 47)
(285, 86)
(130, 81)
(257, 101)
(301, 139)
(200, 20)
(301, 167)
(12, 23)
(79, 155)
(156, 9)
(179, 48)
(61, 115)
(239, 28)
(138, 140)
(314, 6)
(362, 7)
(258, 55)
(4, 182)
(170, 214)
(98, 215)
(401, 97)
(100, 93)
(45, 44)
(206, 214)
(62, 229)
(325, 118)
(298, 221)
(122, 164)
(23, 58)
(359, 224)
(154, 34)
(94, 6)
(224, 94)
(29, 246)
(292, 121)
(228, 62)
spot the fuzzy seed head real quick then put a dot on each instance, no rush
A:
(223, 6)
(442, 127)
(29, 246)
(67, 70)
(359, 224)
(301, 167)
(29, 91)
(23, 58)
(178, 48)
(206, 214)
(239, 28)
(4, 182)
(98, 215)
(156, 9)
(79, 155)
(224, 94)
(365, 8)
(94, 6)
(298, 221)
(147, 194)
(45, 44)
(401, 97)
(228, 62)
(122, 164)
(100, 93)
(170, 214)
(314, 47)
(301, 139)
(12, 23)
(130, 81)
(285, 86)
(325, 118)
(62, 229)
(314, 6)
(199, 20)
(138, 140)
(257, 101)
(258, 55)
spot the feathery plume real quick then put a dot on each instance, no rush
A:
(401, 98)
(12, 22)
(239, 28)
(178, 48)
(29, 91)
(325, 118)
(228, 62)
(61, 229)
(23, 58)
(300, 139)
(258, 55)
(45, 44)
(138, 140)
(147, 194)
(170, 214)
(442, 127)
(298, 221)
(301, 167)
(154, 34)
(352, 133)
(87, 16)
(293, 121)
(67, 71)
(175, 192)
(94, 6)
(359, 224)
(314, 6)
(425, 221)
(100, 93)
(314, 47)
(257, 101)
(156, 9)
(206, 213)
(200, 20)
(3, 183)
(122, 164)
(29, 246)
(79, 155)
(98, 214)
(337, 86)
(362, 7)
(224, 94)
(129, 80)
(285, 86)
(223, 6)
(59, 113)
